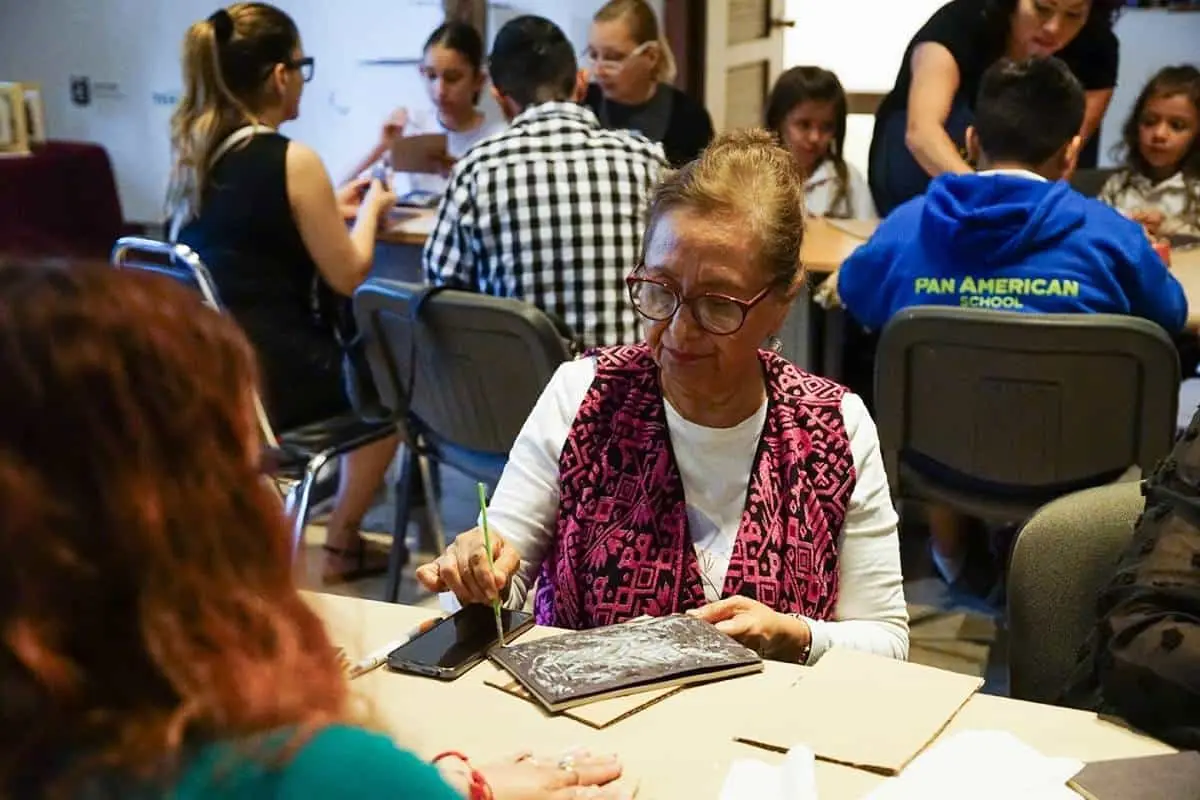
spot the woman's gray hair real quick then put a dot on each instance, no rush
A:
(746, 177)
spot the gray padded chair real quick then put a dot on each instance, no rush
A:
(1089, 182)
(300, 455)
(996, 413)
(1063, 558)
(463, 371)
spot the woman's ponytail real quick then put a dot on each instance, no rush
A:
(197, 123)
(233, 44)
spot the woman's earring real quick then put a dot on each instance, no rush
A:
(774, 343)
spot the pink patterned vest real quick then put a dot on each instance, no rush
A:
(622, 547)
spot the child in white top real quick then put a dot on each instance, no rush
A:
(1160, 184)
(452, 66)
(807, 111)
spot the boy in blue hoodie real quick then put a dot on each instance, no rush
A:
(1013, 236)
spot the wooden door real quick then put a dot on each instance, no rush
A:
(743, 56)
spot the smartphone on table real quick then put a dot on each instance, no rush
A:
(458, 642)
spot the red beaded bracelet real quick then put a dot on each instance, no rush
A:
(478, 788)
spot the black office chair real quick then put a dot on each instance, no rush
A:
(1063, 558)
(996, 413)
(299, 454)
(463, 371)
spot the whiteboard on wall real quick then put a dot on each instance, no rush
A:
(129, 50)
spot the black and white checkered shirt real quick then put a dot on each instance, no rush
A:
(550, 211)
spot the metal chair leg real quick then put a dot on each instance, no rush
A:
(299, 499)
(398, 555)
(433, 512)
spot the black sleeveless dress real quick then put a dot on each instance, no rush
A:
(247, 237)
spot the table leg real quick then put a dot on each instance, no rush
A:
(834, 344)
(796, 334)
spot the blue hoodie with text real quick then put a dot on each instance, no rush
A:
(1009, 242)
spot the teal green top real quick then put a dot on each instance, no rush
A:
(338, 761)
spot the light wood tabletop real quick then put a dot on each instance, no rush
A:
(1185, 266)
(826, 244)
(679, 747)
(408, 226)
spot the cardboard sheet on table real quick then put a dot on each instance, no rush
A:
(864, 710)
(424, 153)
(599, 714)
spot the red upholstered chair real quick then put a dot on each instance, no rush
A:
(61, 201)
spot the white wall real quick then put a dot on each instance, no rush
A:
(863, 41)
(129, 49)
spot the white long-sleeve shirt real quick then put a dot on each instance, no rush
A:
(715, 465)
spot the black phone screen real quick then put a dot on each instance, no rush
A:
(458, 640)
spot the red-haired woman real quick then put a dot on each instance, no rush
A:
(152, 642)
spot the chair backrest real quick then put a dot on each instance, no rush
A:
(1063, 558)
(179, 262)
(996, 413)
(464, 368)
(1089, 182)
(176, 261)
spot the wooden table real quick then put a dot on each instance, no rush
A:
(829, 243)
(825, 245)
(680, 747)
(1185, 266)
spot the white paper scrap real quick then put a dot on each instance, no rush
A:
(982, 765)
(794, 779)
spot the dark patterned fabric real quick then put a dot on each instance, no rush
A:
(622, 546)
(1142, 661)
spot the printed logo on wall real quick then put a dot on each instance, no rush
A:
(84, 90)
(81, 90)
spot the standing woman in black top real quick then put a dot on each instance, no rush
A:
(632, 66)
(921, 125)
(263, 215)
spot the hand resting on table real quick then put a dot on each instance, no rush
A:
(577, 774)
(772, 635)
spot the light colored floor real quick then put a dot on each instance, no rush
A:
(458, 508)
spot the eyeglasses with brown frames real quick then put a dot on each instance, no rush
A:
(719, 314)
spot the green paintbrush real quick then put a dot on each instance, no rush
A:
(487, 546)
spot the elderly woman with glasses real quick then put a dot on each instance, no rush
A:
(697, 472)
(632, 68)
